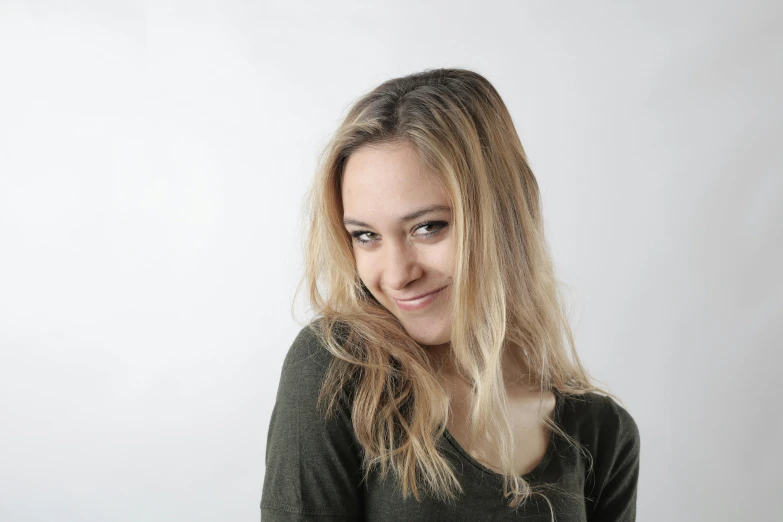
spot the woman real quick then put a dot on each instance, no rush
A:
(439, 380)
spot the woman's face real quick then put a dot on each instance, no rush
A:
(403, 239)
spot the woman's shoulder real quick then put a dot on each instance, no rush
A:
(307, 348)
(596, 412)
(610, 434)
(605, 427)
(305, 364)
(313, 464)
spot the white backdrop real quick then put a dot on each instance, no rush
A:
(153, 160)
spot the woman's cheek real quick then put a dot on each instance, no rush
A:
(364, 268)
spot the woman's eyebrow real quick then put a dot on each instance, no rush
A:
(408, 217)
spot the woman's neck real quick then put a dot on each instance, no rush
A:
(515, 371)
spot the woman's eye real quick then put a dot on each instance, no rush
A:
(435, 227)
(365, 236)
(358, 237)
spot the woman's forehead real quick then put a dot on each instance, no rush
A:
(376, 178)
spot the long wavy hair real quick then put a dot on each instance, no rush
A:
(505, 294)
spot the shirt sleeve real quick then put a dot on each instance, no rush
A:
(618, 475)
(313, 467)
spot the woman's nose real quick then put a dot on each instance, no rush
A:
(401, 266)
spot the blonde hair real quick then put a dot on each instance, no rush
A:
(505, 294)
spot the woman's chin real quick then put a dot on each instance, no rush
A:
(430, 338)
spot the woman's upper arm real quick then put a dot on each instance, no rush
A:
(313, 467)
(615, 501)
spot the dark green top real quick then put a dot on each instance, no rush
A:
(313, 468)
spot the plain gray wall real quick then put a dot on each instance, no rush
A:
(153, 160)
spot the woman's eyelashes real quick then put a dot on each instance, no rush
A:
(435, 226)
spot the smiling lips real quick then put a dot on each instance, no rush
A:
(418, 302)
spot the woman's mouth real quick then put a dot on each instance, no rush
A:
(419, 302)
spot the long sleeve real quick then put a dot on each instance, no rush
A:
(618, 473)
(313, 467)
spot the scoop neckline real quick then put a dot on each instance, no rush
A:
(538, 470)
